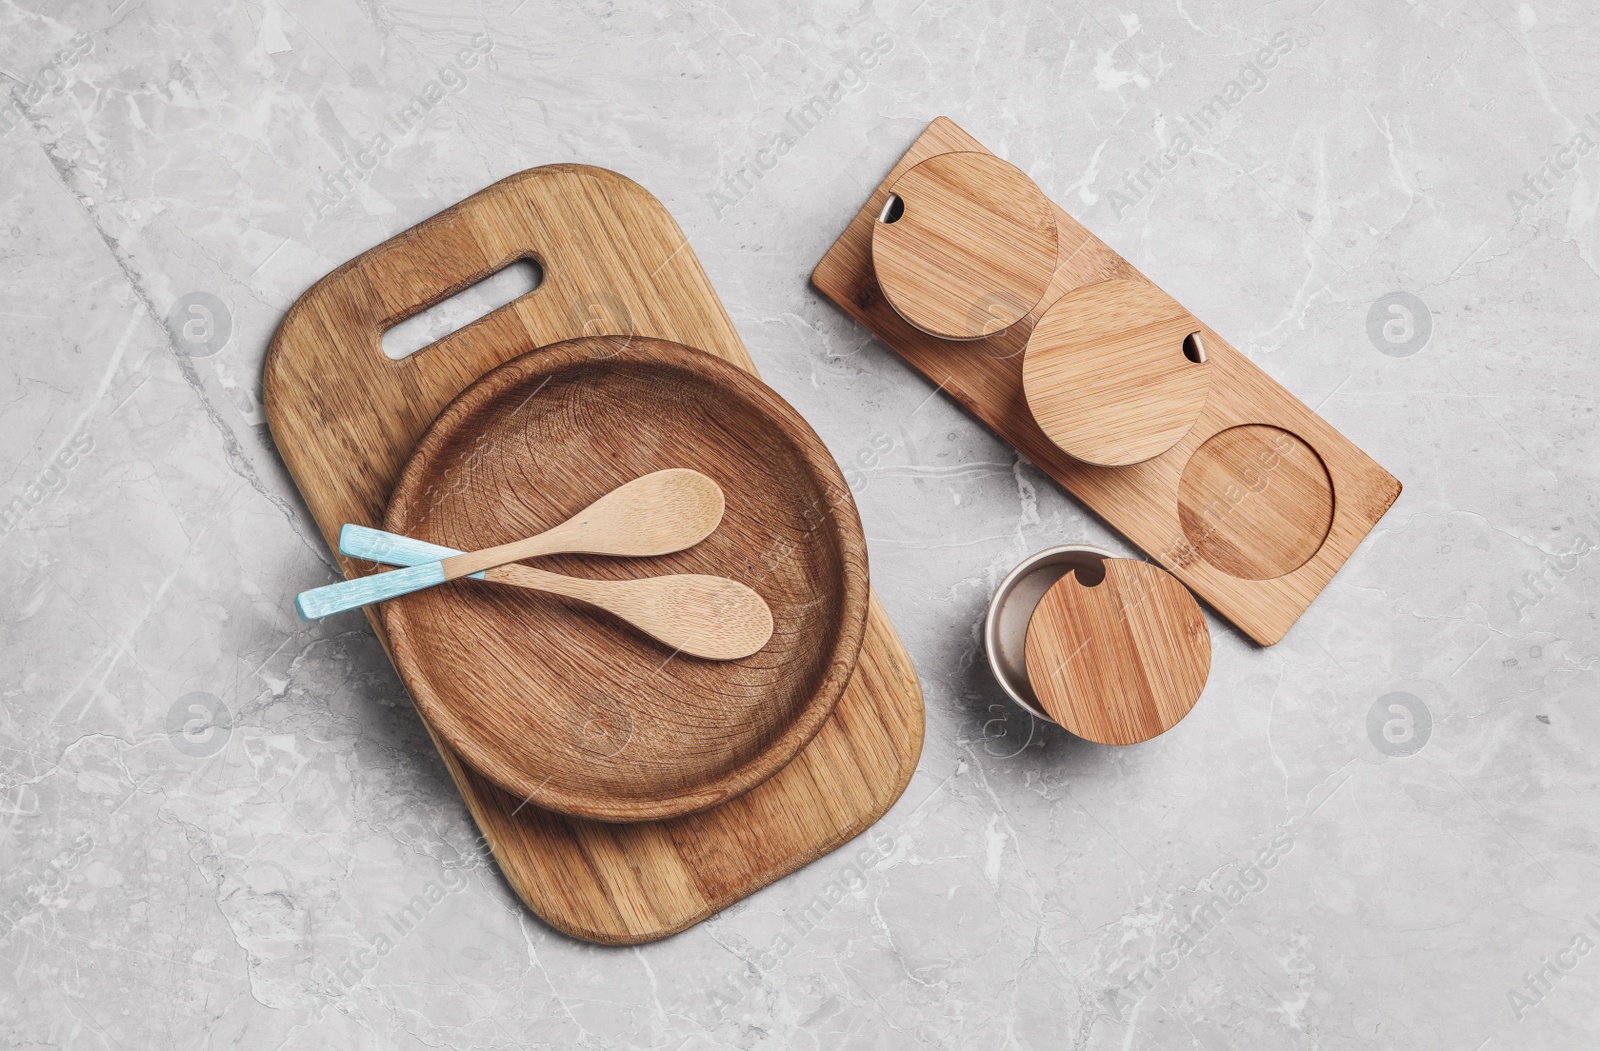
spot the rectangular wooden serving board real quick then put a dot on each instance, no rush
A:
(346, 417)
(1191, 513)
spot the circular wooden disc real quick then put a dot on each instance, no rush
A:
(1123, 660)
(1107, 375)
(563, 705)
(1255, 501)
(973, 250)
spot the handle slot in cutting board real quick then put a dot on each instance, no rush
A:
(431, 322)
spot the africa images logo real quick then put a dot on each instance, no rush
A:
(1399, 724)
(199, 724)
(1399, 324)
(47, 83)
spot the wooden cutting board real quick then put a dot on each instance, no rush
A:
(346, 417)
(1255, 507)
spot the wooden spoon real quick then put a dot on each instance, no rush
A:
(711, 617)
(704, 616)
(656, 514)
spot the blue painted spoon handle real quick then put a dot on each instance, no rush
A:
(363, 591)
(392, 549)
(377, 546)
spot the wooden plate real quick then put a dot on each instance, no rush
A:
(563, 705)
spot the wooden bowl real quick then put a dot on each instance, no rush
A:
(562, 704)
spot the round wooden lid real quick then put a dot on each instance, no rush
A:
(1115, 372)
(1120, 661)
(965, 247)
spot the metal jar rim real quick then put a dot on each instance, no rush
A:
(994, 645)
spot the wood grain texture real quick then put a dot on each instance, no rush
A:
(497, 672)
(1141, 500)
(972, 251)
(1106, 375)
(1123, 660)
(345, 418)
(1255, 501)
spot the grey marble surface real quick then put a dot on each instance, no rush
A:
(207, 807)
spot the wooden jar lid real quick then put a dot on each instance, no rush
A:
(1120, 661)
(1115, 372)
(966, 246)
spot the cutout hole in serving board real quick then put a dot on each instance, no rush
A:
(427, 327)
(1255, 501)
